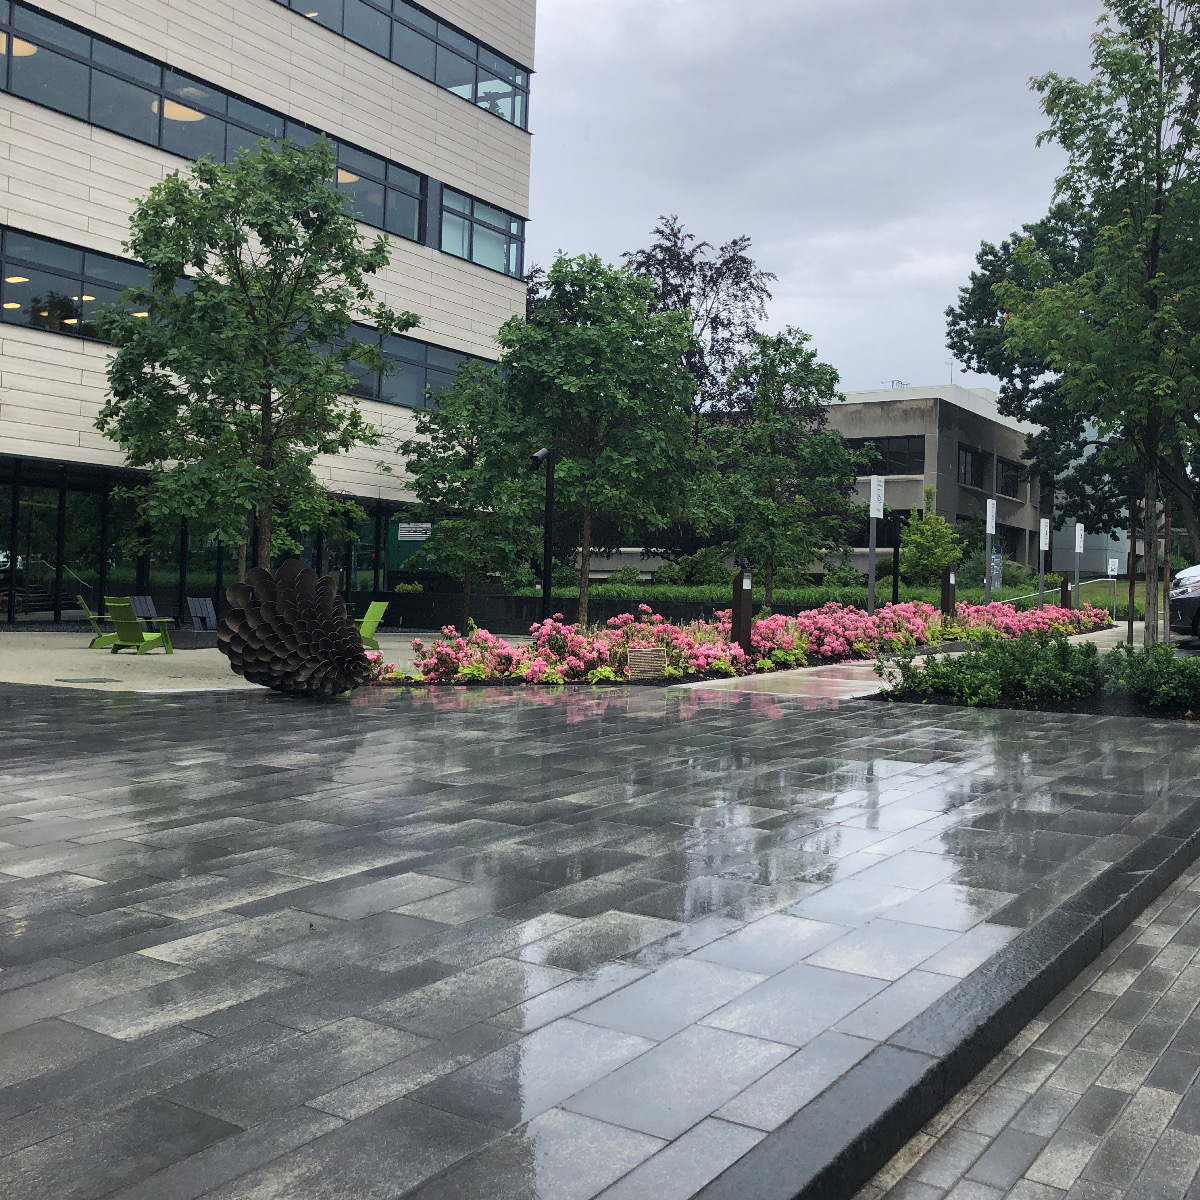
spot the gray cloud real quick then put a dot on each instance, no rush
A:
(866, 146)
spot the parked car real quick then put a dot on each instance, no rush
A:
(1185, 602)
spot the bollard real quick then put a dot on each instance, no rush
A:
(949, 605)
(743, 611)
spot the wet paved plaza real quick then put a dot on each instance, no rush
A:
(489, 943)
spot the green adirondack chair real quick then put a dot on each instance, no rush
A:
(130, 634)
(367, 625)
(101, 639)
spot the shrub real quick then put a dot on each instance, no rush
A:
(928, 544)
(1155, 677)
(626, 576)
(407, 589)
(1036, 668)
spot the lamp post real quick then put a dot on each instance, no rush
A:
(549, 456)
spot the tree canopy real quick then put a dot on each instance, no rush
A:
(777, 494)
(229, 374)
(467, 470)
(598, 372)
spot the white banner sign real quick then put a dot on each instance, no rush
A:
(1078, 538)
(1044, 525)
(877, 495)
(417, 532)
(1112, 568)
(991, 516)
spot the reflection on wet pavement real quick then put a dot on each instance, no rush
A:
(498, 943)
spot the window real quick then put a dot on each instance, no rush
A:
(973, 467)
(894, 455)
(1008, 477)
(413, 39)
(57, 287)
(67, 69)
(50, 285)
(484, 234)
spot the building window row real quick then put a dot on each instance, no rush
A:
(1008, 478)
(417, 41)
(973, 467)
(56, 286)
(894, 455)
(52, 63)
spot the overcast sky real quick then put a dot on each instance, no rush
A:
(867, 147)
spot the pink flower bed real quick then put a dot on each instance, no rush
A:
(561, 653)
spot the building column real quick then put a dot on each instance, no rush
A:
(14, 534)
(181, 606)
(60, 547)
(102, 581)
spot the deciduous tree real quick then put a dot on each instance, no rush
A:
(227, 387)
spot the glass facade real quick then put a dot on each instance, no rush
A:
(419, 42)
(56, 65)
(482, 233)
(55, 286)
(1008, 478)
(65, 536)
(973, 467)
(894, 455)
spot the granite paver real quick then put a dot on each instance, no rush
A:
(557, 944)
(1083, 1105)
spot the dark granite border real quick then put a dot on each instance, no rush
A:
(834, 1145)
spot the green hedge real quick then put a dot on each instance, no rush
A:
(1043, 670)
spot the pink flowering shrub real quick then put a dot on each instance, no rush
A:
(381, 672)
(562, 653)
(1004, 620)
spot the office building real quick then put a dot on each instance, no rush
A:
(428, 109)
(952, 439)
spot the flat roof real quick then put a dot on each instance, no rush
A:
(980, 401)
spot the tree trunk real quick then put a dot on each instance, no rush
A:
(265, 513)
(585, 565)
(769, 579)
(1150, 519)
(241, 557)
(264, 536)
(466, 620)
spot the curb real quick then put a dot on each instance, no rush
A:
(838, 1142)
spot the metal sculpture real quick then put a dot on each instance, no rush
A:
(292, 633)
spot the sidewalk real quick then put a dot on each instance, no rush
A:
(1096, 1099)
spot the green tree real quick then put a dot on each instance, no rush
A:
(467, 470)
(777, 496)
(1121, 335)
(928, 544)
(601, 376)
(229, 385)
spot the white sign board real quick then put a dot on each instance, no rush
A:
(417, 532)
(877, 495)
(1112, 568)
(1078, 538)
(1044, 525)
(991, 516)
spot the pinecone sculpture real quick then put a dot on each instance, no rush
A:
(292, 633)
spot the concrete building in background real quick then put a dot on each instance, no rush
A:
(428, 109)
(952, 439)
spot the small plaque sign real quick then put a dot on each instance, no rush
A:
(647, 663)
(1112, 568)
(412, 531)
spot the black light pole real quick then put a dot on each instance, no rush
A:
(895, 556)
(547, 455)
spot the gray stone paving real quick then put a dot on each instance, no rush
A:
(1097, 1099)
(521, 945)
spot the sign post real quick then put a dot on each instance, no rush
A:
(1078, 552)
(876, 516)
(1113, 564)
(987, 553)
(1043, 546)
